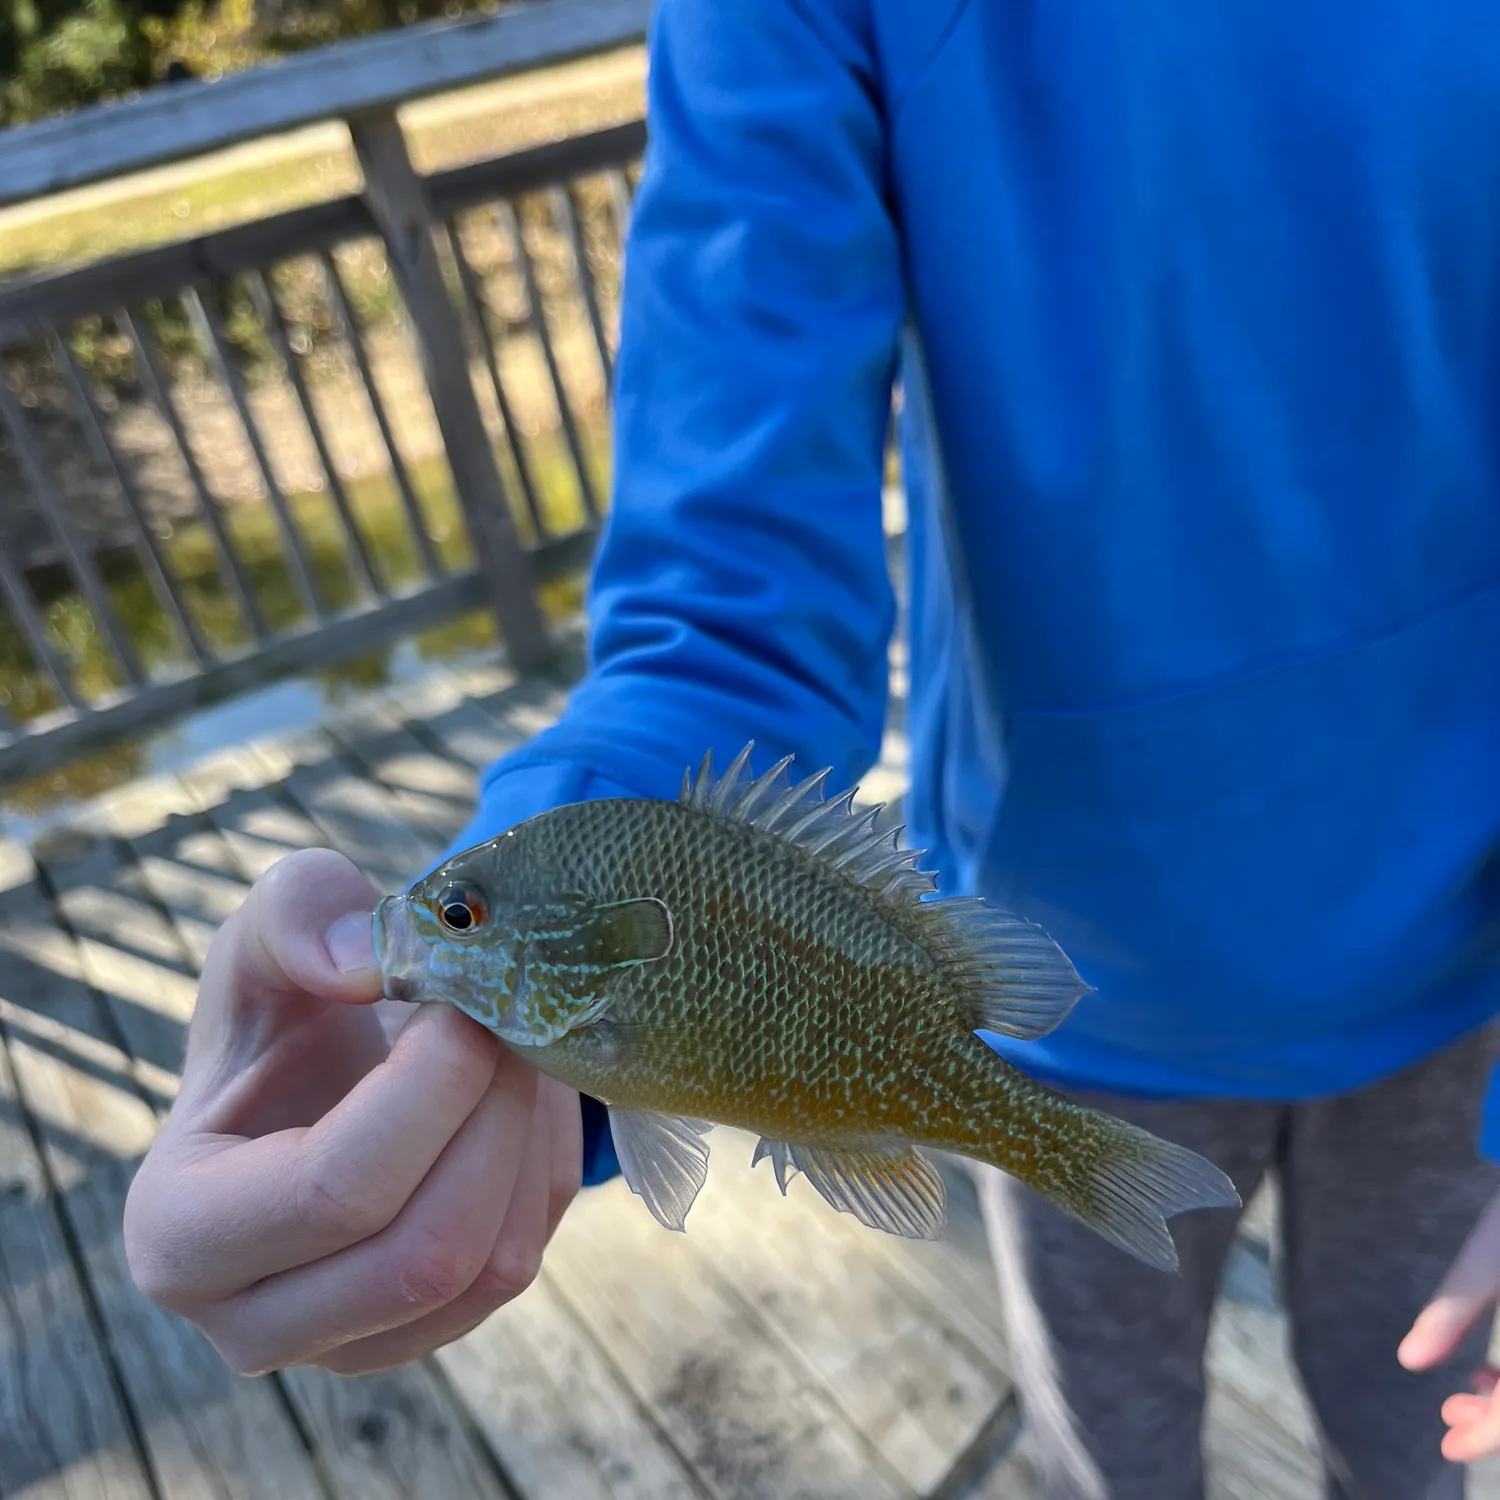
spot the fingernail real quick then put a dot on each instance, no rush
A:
(351, 944)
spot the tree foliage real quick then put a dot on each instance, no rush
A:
(56, 55)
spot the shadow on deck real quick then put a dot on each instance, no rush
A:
(776, 1350)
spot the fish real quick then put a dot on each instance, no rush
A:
(759, 955)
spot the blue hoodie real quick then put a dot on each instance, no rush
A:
(1196, 313)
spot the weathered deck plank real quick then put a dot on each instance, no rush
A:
(552, 1405)
(65, 1433)
(749, 1419)
(206, 1432)
(917, 1394)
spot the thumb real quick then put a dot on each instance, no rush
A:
(302, 939)
(305, 928)
(1468, 1289)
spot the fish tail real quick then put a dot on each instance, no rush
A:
(1120, 1180)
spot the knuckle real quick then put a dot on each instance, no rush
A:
(154, 1278)
(461, 1073)
(513, 1265)
(433, 1268)
(157, 1279)
(157, 1272)
(334, 1209)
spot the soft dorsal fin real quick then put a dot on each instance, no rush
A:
(1011, 976)
(799, 814)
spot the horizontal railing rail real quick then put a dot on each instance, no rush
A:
(272, 448)
(372, 74)
(29, 305)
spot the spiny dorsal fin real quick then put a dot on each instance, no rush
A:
(1014, 979)
(827, 828)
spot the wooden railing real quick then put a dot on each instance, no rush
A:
(268, 448)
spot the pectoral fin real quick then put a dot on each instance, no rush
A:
(634, 932)
(606, 937)
(897, 1190)
(664, 1159)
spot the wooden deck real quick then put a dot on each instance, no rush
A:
(776, 1351)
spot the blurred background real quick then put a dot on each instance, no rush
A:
(235, 413)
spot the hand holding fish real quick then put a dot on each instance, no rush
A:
(321, 1195)
(1471, 1288)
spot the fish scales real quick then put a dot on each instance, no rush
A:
(791, 1002)
(758, 956)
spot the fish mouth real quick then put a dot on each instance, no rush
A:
(400, 953)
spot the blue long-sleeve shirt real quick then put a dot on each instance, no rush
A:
(1204, 506)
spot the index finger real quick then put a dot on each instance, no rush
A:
(241, 1210)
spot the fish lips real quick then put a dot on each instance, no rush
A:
(400, 953)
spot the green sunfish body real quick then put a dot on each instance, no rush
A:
(756, 956)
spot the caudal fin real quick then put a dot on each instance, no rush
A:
(1123, 1182)
(1132, 1193)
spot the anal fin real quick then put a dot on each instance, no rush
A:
(891, 1188)
(780, 1156)
(664, 1159)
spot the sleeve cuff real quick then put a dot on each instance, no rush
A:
(1489, 1120)
(599, 1160)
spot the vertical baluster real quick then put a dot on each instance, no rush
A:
(77, 558)
(349, 329)
(268, 310)
(398, 202)
(474, 301)
(208, 328)
(537, 316)
(565, 217)
(620, 199)
(23, 607)
(148, 545)
(158, 388)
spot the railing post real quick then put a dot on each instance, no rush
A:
(398, 203)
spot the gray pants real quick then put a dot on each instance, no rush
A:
(1379, 1189)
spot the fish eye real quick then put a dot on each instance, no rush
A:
(462, 908)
